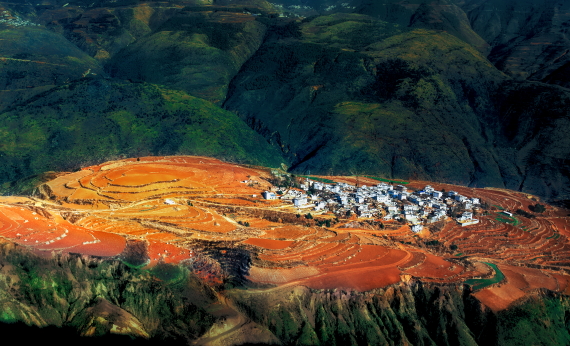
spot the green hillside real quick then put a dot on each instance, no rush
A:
(401, 107)
(94, 120)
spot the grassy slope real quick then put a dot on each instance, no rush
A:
(194, 51)
(95, 120)
(400, 106)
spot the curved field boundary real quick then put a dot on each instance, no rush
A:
(478, 284)
(388, 180)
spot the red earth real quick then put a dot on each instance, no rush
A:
(171, 202)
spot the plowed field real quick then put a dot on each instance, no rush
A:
(172, 203)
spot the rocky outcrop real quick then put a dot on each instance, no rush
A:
(97, 298)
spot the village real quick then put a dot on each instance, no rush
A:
(383, 201)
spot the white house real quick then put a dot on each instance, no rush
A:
(381, 198)
(392, 209)
(460, 198)
(417, 228)
(320, 206)
(299, 202)
(268, 195)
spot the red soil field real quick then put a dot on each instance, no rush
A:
(435, 267)
(281, 275)
(106, 245)
(534, 277)
(287, 232)
(231, 201)
(499, 298)
(167, 253)
(269, 243)
(363, 279)
(169, 201)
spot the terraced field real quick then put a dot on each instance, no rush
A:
(181, 207)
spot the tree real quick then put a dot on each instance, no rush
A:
(309, 216)
(539, 208)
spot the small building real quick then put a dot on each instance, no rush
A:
(381, 198)
(320, 206)
(268, 195)
(299, 202)
(365, 214)
(429, 189)
(437, 194)
(169, 201)
(469, 222)
(417, 228)
(507, 213)
(392, 209)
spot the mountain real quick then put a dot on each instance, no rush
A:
(34, 59)
(419, 314)
(418, 104)
(198, 50)
(403, 90)
(528, 38)
(95, 119)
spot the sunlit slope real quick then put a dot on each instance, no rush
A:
(96, 119)
(401, 106)
(199, 50)
(33, 59)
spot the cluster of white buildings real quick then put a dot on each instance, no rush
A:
(7, 18)
(383, 200)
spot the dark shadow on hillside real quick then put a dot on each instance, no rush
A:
(67, 336)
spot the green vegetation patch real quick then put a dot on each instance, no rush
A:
(478, 284)
(535, 322)
(348, 30)
(322, 180)
(96, 120)
(388, 180)
(508, 219)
